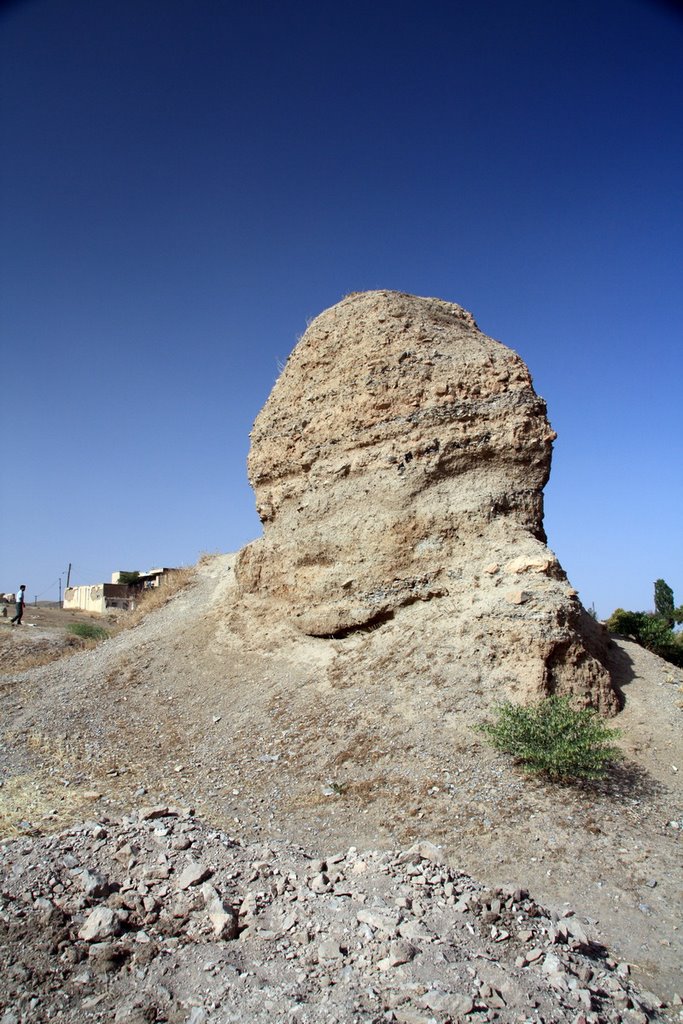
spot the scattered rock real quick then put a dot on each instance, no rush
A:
(223, 918)
(152, 950)
(330, 950)
(150, 813)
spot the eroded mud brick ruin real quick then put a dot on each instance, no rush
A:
(398, 466)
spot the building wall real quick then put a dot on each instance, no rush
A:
(151, 578)
(97, 598)
(85, 599)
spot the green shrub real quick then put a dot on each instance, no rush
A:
(554, 739)
(625, 623)
(672, 651)
(86, 631)
(654, 633)
(650, 631)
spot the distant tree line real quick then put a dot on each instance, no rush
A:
(653, 630)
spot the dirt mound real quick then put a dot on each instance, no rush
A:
(276, 737)
(327, 703)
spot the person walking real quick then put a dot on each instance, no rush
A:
(20, 605)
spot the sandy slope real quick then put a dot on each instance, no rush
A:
(366, 741)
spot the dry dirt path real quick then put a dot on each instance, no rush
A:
(274, 735)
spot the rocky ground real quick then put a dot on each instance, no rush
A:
(296, 755)
(162, 918)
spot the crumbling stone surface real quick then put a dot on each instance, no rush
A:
(401, 459)
(280, 935)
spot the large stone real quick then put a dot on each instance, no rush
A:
(101, 923)
(401, 454)
(192, 874)
(222, 916)
(93, 883)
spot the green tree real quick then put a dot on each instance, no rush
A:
(664, 602)
(127, 578)
(654, 633)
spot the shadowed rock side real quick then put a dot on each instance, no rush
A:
(401, 459)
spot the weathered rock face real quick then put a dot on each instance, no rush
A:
(401, 457)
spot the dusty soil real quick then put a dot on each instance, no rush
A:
(43, 635)
(51, 616)
(275, 736)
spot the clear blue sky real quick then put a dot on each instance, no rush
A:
(185, 182)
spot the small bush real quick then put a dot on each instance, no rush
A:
(86, 631)
(625, 623)
(554, 739)
(650, 631)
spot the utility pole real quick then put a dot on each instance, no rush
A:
(60, 590)
(68, 576)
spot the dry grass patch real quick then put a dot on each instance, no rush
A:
(208, 556)
(38, 802)
(67, 784)
(16, 658)
(157, 597)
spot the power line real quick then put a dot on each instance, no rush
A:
(51, 585)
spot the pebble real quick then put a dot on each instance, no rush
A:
(330, 950)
